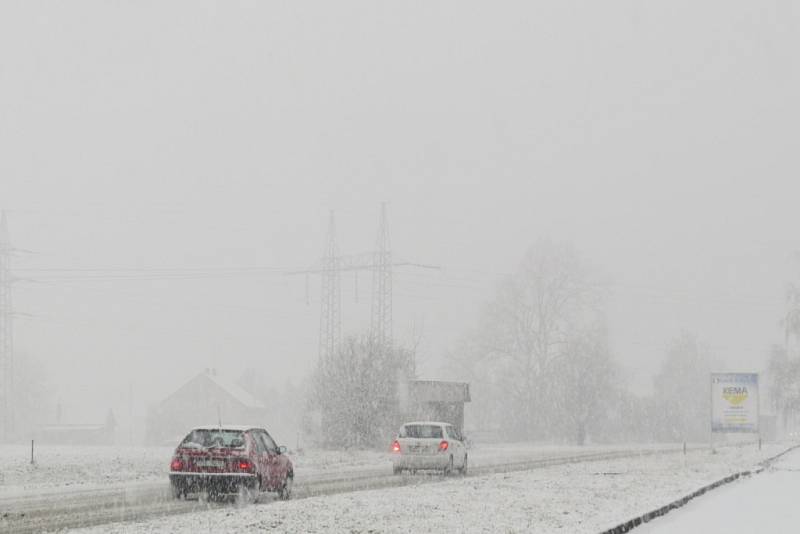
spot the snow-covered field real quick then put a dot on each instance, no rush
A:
(575, 498)
(64, 467)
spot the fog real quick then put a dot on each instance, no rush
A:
(162, 165)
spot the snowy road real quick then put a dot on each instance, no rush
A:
(575, 497)
(766, 502)
(54, 509)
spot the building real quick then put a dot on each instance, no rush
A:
(436, 400)
(205, 399)
(78, 434)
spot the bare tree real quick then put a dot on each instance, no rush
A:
(356, 393)
(526, 351)
(586, 378)
(791, 321)
(682, 400)
(784, 365)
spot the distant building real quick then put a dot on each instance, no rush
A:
(78, 434)
(436, 400)
(205, 399)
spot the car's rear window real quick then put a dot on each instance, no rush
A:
(214, 438)
(421, 431)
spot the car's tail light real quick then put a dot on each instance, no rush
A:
(245, 465)
(396, 446)
(443, 445)
(176, 464)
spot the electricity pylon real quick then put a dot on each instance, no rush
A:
(6, 335)
(381, 321)
(330, 319)
(380, 263)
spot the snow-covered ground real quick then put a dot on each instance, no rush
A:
(582, 497)
(763, 503)
(65, 467)
(59, 468)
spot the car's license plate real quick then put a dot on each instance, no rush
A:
(209, 463)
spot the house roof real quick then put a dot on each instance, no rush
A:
(236, 391)
(230, 387)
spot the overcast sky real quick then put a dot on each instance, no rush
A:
(660, 138)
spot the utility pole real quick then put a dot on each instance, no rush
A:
(6, 335)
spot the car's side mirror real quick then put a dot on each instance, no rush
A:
(282, 449)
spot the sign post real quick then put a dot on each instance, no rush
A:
(734, 403)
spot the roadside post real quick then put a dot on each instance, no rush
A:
(31, 452)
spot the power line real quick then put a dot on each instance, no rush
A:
(152, 269)
(82, 274)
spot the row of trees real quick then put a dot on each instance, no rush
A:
(540, 369)
(784, 364)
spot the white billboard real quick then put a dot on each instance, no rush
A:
(734, 402)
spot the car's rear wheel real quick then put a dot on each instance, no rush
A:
(397, 470)
(463, 469)
(178, 491)
(246, 494)
(449, 469)
(285, 493)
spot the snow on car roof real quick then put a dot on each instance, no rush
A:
(439, 423)
(236, 428)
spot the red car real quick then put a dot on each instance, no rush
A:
(230, 460)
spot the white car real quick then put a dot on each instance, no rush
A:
(429, 445)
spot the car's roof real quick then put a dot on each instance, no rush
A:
(437, 423)
(235, 428)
